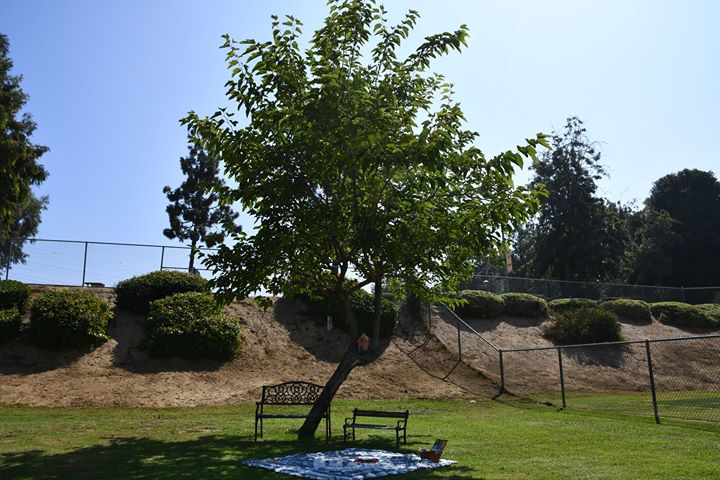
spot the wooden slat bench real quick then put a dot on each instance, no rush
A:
(289, 393)
(401, 426)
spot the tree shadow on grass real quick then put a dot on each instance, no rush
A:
(208, 457)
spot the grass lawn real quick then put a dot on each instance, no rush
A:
(489, 439)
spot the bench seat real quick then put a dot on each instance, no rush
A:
(401, 426)
(289, 393)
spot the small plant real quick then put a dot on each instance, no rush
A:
(479, 304)
(363, 306)
(584, 325)
(136, 293)
(69, 319)
(634, 310)
(14, 295)
(10, 322)
(524, 305)
(562, 305)
(191, 325)
(683, 315)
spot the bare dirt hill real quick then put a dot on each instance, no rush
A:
(280, 344)
(678, 365)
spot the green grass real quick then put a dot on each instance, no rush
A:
(685, 405)
(490, 440)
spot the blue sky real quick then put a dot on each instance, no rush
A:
(109, 80)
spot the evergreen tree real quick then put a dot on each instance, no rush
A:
(19, 167)
(24, 225)
(578, 235)
(195, 213)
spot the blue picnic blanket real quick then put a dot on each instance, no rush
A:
(340, 464)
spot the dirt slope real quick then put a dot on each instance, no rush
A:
(280, 344)
(678, 365)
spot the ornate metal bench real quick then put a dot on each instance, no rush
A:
(289, 393)
(352, 423)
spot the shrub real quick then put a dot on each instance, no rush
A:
(69, 318)
(191, 325)
(524, 305)
(479, 304)
(13, 295)
(562, 305)
(583, 325)
(682, 315)
(136, 293)
(10, 321)
(635, 310)
(712, 310)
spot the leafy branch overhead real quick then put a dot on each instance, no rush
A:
(355, 163)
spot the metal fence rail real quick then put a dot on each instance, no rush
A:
(675, 377)
(666, 377)
(81, 262)
(596, 290)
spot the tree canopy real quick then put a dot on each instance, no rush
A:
(578, 235)
(19, 167)
(689, 241)
(355, 165)
(195, 212)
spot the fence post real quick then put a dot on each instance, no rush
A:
(162, 258)
(502, 372)
(652, 381)
(562, 377)
(82, 284)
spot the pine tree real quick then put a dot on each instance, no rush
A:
(19, 167)
(194, 211)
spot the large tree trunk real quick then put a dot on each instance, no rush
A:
(350, 360)
(377, 315)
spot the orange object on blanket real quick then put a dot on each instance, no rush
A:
(435, 452)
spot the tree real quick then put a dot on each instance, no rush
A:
(19, 167)
(578, 235)
(355, 171)
(24, 225)
(195, 212)
(654, 238)
(691, 199)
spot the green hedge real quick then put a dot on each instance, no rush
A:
(683, 315)
(136, 293)
(191, 325)
(524, 305)
(69, 318)
(363, 306)
(14, 295)
(562, 305)
(635, 310)
(10, 321)
(583, 325)
(479, 304)
(712, 310)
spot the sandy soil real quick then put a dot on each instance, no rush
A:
(678, 365)
(281, 344)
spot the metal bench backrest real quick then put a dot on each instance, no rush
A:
(291, 393)
(376, 413)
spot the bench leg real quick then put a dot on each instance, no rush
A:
(344, 434)
(405, 435)
(256, 425)
(353, 434)
(397, 439)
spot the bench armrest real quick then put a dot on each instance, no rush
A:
(348, 420)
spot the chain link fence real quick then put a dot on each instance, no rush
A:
(80, 262)
(551, 289)
(660, 378)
